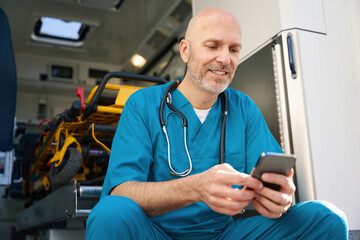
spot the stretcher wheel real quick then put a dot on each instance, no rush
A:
(70, 165)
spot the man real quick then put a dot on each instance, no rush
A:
(142, 200)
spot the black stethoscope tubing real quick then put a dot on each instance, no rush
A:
(167, 99)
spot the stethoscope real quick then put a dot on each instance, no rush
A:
(167, 98)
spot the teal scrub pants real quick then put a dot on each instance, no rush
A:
(116, 217)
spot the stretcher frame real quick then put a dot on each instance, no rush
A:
(68, 144)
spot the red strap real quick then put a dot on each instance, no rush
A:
(49, 164)
(41, 123)
(80, 94)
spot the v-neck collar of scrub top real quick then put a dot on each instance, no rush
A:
(197, 132)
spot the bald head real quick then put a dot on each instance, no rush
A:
(211, 50)
(206, 17)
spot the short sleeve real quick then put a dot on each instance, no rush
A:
(131, 152)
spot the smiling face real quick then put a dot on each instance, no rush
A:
(211, 49)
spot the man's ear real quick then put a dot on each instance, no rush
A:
(184, 48)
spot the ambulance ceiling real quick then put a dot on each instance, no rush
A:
(118, 28)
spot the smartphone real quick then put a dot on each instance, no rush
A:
(280, 163)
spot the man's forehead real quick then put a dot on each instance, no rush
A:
(211, 19)
(213, 28)
(217, 19)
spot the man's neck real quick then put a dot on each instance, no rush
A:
(199, 98)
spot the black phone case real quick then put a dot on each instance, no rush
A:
(279, 163)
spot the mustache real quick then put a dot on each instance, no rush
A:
(227, 68)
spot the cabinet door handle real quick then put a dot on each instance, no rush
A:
(291, 55)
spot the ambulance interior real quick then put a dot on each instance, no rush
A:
(299, 63)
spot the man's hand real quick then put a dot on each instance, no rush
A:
(271, 203)
(217, 193)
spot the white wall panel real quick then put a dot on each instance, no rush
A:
(261, 20)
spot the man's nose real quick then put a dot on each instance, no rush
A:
(223, 57)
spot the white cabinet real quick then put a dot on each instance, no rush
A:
(261, 20)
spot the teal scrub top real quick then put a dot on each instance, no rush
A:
(139, 149)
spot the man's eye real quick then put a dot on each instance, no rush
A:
(211, 46)
(234, 50)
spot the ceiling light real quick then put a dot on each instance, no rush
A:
(138, 61)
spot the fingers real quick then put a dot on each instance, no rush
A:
(225, 174)
(251, 174)
(291, 173)
(287, 185)
(264, 211)
(271, 209)
(226, 205)
(271, 203)
(218, 193)
(279, 204)
(228, 200)
(226, 210)
(231, 193)
(275, 196)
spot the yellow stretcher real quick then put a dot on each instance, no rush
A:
(78, 146)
